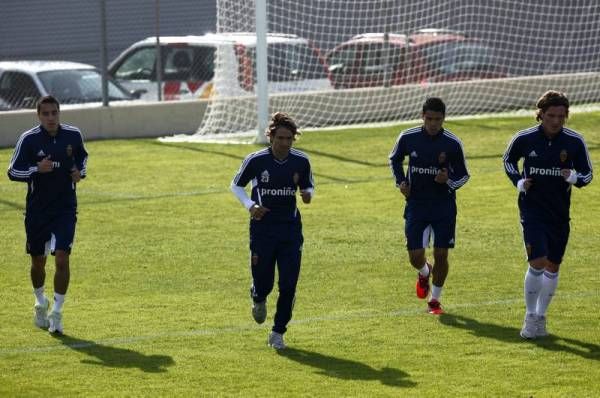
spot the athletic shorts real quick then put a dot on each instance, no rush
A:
(545, 240)
(46, 234)
(424, 219)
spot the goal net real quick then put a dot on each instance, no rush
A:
(337, 62)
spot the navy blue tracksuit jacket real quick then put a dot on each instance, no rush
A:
(549, 198)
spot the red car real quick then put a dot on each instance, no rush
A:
(428, 55)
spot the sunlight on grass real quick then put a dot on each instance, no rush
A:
(159, 305)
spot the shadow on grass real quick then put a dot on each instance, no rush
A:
(203, 149)
(346, 369)
(114, 357)
(511, 335)
(346, 159)
(197, 148)
(12, 205)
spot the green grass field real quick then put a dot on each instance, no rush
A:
(158, 303)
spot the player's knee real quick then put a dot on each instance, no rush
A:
(38, 261)
(552, 267)
(62, 259)
(287, 289)
(539, 263)
(416, 257)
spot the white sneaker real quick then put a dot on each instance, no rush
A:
(55, 320)
(540, 326)
(529, 330)
(276, 341)
(259, 311)
(40, 314)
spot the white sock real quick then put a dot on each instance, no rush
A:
(436, 292)
(549, 282)
(39, 295)
(533, 285)
(59, 300)
(424, 270)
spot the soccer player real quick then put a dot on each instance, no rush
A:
(276, 174)
(555, 160)
(51, 159)
(436, 169)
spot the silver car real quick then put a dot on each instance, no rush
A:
(22, 83)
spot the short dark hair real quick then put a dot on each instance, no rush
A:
(551, 98)
(47, 99)
(281, 119)
(434, 104)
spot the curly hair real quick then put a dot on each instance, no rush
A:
(281, 119)
(548, 99)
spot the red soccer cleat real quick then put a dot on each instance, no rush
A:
(422, 285)
(434, 307)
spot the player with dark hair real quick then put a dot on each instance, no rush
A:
(276, 237)
(51, 158)
(436, 169)
(555, 159)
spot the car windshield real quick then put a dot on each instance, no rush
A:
(76, 86)
(458, 57)
(292, 61)
(180, 62)
(189, 63)
(4, 106)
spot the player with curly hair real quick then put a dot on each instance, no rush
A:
(277, 173)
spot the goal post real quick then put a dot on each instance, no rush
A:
(262, 89)
(339, 62)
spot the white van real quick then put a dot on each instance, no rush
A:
(188, 65)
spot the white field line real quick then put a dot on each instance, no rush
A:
(348, 316)
(127, 195)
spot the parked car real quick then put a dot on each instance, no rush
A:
(188, 65)
(22, 83)
(428, 55)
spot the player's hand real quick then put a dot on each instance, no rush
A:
(45, 165)
(524, 184)
(306, 196)
(569, 175)
(405, 189)
(442, 176)
(257, 212)
(75, 174)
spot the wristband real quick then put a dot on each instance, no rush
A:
(572, 178)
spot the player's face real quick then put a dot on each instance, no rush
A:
(281, 141)
(554, 119)
(48, 116)
(433, 121)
